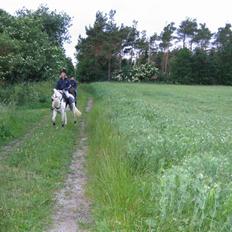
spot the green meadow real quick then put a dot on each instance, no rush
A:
(160, 157)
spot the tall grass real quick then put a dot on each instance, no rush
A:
(21, 106)
(33, 95)
(31, 173)
(160, 157)
(118, 204)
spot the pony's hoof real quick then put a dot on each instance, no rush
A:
(62, 125)
(53, 123)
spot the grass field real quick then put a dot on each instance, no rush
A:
(30, 173)
(160, 157)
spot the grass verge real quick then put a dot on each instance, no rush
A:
(119, 197)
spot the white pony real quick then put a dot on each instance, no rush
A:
(59, 105)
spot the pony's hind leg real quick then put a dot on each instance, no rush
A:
(74, 113)
(65, 118)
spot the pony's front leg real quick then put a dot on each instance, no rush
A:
(54, 113)
(63, 117)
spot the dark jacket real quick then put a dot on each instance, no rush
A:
(73, 83)
(63, 84)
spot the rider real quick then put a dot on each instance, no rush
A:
(73, 88)
(64, 85)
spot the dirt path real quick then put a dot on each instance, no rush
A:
(72, 209)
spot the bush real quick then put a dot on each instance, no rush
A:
(5, 131)
(143, 72)
(26, 94)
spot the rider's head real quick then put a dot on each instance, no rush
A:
(63, 73)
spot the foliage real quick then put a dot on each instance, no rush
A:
(166, 37)
(110, 51)
(202, 36)
(187, 30)
(26, 94)
(31, 44)
(137, 73)
(100, 53)
(181, 70)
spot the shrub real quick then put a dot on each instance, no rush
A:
(143, 72)
(5, 131)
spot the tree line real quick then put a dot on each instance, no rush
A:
(31, 45)
(188, 53)
(31, 49)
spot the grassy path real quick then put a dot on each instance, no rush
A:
(72, 209)
(32, 168)
(15, 144)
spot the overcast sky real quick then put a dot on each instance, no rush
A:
(152, 15)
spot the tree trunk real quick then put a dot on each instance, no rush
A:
(164, 66)
(162, 63)
(149, 55)
(109, 69)
(166, 63)
(120, 62)
(184, 42)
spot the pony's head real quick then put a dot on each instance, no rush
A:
(56, 99)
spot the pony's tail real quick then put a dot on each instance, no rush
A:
(77, 112)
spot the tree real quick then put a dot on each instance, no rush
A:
(181, 67)
(186, 31)
(166, 37)
(99, 53)
(69, 67)
(223, 37)
(26, 49)
(5, 20)
(55, 24)
(141, 48)
(202, 36)
(223, 42)
(201, 68)
(153, 47)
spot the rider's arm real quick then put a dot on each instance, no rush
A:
(74, 84)
(58, 85)
(67, 85)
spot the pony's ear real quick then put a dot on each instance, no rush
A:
(55, 91)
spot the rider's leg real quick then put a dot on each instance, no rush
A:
(75, 97)
(70, 99)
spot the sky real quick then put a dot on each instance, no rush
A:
(152, 15)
